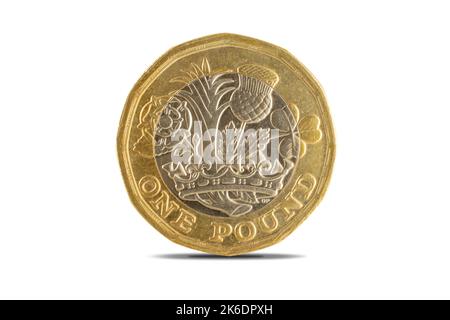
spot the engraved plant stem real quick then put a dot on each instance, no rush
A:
(238, 142)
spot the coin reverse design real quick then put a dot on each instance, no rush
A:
(226, 144)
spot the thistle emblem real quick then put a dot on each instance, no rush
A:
(251, 102)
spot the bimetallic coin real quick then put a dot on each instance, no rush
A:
(226, 144)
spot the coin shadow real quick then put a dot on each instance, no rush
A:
(250, 256)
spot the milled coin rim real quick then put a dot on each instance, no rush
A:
(226, 39)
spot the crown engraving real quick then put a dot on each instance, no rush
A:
(193, 185)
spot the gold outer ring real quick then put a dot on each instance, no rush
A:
(300, 195)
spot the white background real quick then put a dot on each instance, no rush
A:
(68, 229)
